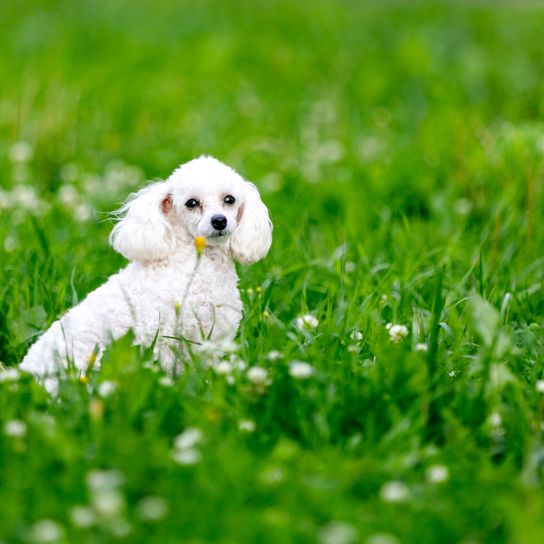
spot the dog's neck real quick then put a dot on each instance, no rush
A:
(183, 254)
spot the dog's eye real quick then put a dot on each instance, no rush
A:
(229, 199)
(191, 203)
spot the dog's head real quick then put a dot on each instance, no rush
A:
(203, 197)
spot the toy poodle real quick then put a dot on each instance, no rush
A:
(171, 287)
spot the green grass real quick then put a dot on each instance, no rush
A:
(401, 153)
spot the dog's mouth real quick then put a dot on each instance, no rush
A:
(220, 234)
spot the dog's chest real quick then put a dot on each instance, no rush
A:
(171, 286)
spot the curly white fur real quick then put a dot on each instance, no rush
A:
(159, 291)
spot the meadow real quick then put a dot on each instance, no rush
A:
(387, 382)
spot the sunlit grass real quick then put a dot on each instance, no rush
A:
(386, 384)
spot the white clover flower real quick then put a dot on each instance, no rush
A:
(223, 368)
(272, 475)
(108, 503)
(166, 381)
(15, 428)
(397, 333)
(82, 516)
(257, 375)
(495, 419)
(300, 370)
(340, 251)
(208, 347)
(46, 531)
(27, 198)
(540, 386)
(349, 267)
(356, 335)
(437, 474)
(10, 243)
(119, 175)
(421, 347)
(184, 446)
(238, 363)
(119, 528)
(21, 152)
(452, 373)
(382, 538)
(104, 479)
(394, 491)
(5, 200)
(186, 456)
(463, 206)
(93, 184)
(274, 355)
(247, 425)
(106, 388)
(307, 322)
(152, 508)
(338, 532)
(272, 181)
(371, 147)
(188, 438)
(228, 346)
(10, 374)
(83, 212)
(329, 151)
(68, 195)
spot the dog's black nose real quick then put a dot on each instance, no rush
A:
(219, 222)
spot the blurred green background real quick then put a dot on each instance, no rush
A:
(400, 149)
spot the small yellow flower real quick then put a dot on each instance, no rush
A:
(200, 244)
(212, 415)
(96, 409)
(84, 379)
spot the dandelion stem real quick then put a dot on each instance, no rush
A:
(200, 245)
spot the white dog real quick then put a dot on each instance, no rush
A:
(167, 290)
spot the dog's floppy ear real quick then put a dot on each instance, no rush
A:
(253, 236)
(144, 232)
